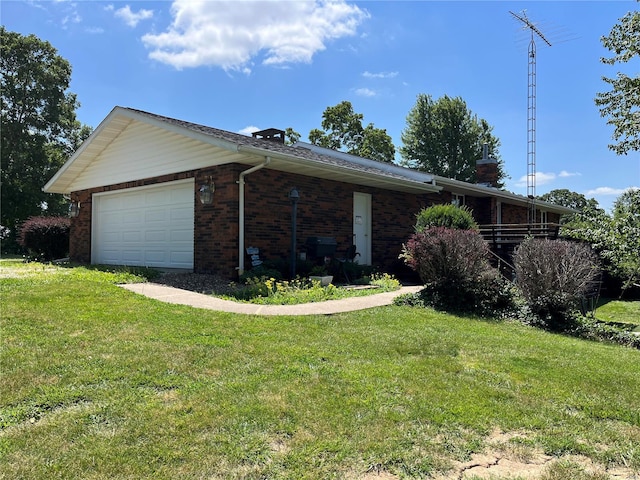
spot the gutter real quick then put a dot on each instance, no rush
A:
(425, 186)
(241, 182)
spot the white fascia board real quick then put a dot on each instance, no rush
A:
(50, 186)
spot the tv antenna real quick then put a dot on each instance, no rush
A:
(531, 112)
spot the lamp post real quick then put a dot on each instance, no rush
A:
(294, 196)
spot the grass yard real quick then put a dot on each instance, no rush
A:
(619, 311)
(98, 382)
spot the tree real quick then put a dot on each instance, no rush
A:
(342, 130)
(615, 237)
(445, 138)
(574, 200)
(291, 136)
(622, 103)
(626, 238)
(39, 126)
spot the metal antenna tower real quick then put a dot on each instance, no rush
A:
(531, 113)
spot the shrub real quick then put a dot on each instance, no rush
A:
(443, 256)
(552, 276)
(450, 216)
(45, 238)
(454, 267)
(594, 330)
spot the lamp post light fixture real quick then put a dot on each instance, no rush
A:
(294, 196)
(206, 192)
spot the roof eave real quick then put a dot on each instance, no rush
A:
(388, 180)
(512, 197)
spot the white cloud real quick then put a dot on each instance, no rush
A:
(365, 92)
(542, 178)
(94, 30)
(249, 130)
(229, 34)
(609, 191)
(73, 17)
(380, 75)
(129, 17)
(564, 174)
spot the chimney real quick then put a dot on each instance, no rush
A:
(487, 169)
(272, 134)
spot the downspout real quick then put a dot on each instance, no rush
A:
(267, 161)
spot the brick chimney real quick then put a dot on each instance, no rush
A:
(272, 134)
(487, 169)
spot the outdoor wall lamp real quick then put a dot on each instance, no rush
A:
(206, 192)
(74, 209)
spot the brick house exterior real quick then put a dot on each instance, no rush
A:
(132, 151)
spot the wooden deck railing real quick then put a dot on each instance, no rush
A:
(506, 234)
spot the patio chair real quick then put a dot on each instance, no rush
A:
(349, 257)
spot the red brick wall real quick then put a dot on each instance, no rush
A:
(216, 225)
(487, 172)
(514, 214)
(325, 208)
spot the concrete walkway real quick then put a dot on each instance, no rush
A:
(198, 300)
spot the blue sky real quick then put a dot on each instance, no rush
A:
(242, 66)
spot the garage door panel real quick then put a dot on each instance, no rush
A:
(132, 257)
(180, 214)
(110, 204)
(151, 226)
(111, 257)
(156, 216)
(155, 236)
(180, 257)
(181, 235)
(155, 257)
(131, 236)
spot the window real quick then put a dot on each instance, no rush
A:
(457, 199)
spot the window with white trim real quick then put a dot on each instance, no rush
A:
(457, 199)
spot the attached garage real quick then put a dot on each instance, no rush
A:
(149, 226)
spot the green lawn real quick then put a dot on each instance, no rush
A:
(98, 382)
(619, 311)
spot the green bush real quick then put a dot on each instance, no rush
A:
(454, 267)
(552, 276)
(449, 216)
(45, 238)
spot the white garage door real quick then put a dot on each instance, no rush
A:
(146, 226)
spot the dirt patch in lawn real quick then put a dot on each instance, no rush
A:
(505, 459)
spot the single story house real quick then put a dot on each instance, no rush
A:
(138, 183)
